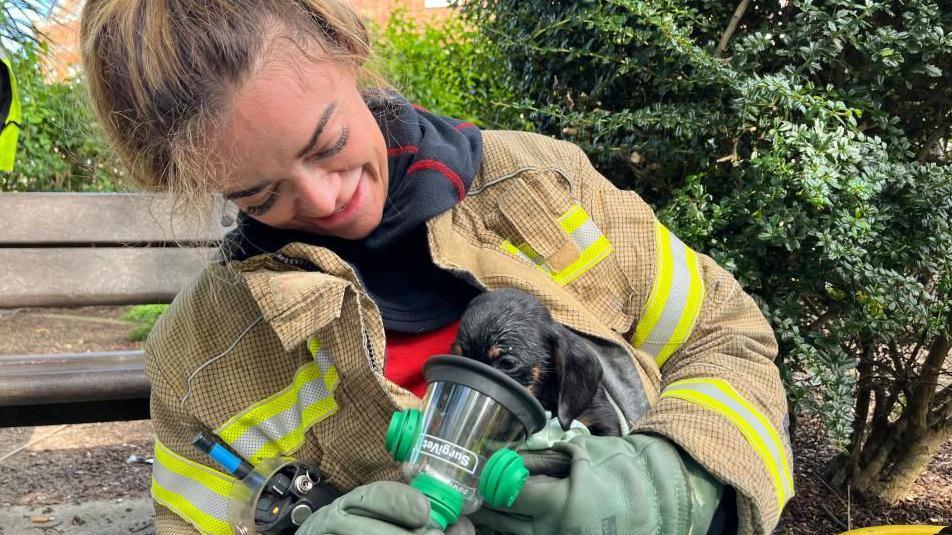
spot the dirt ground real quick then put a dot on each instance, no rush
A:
(63, 330)
(77, 463)
(82, 464)
(817, 509)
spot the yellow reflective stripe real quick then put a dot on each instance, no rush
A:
(204, 523)
(589, 258)
(331, 379)
(193, 491)
(313, 345)
(592, 245)
(660, 289)
(674, 304)
(691, 312)
(279, 423)
(574, 218)
(217, 482)
(719, 396)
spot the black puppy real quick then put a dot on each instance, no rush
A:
(513, 332)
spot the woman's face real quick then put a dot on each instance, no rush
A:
(303, 150)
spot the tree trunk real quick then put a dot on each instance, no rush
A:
(910, 462)
(887, 461)
(844, 467)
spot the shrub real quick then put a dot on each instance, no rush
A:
(60, 146)
(443, 67)
(805, 149)
(143, 318)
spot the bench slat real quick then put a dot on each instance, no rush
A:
(97, 276)
(101, 218)
(72, 377)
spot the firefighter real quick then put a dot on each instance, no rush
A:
(366, 225)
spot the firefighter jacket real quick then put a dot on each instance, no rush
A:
(282, 354)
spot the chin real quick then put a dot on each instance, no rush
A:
(360, 230)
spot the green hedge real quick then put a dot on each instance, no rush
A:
(809, 157)
(60, 146)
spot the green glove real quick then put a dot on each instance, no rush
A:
(384, 508)
(638, 484)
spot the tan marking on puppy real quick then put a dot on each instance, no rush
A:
(536, 376)
(494, 352)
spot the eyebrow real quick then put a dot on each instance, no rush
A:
(325, 117)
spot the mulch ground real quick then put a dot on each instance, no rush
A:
(817, 509)
(79, 463)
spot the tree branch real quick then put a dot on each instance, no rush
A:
(931, 142)
(928, 380)
(731, 28)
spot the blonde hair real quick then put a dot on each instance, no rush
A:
(161, 72)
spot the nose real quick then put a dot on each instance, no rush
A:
(317, 194)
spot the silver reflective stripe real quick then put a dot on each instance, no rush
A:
(278, 424)
(323, 359)
(717, 395)
(586, 235)
(198, 495)
(674, 305)
(275, 428)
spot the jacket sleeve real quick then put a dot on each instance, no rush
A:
(721, 398)
(190, 495)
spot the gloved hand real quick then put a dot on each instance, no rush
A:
(637, 484)
(384, 508)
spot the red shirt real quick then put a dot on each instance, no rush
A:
(406, 353)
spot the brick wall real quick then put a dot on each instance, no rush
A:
(63, 27)
(379, 10)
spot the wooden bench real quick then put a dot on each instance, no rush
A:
(81, 249)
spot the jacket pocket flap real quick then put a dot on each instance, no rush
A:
(540, 236)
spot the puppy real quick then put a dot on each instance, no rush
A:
(513, 332)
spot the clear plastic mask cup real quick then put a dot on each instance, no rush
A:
(472, 414)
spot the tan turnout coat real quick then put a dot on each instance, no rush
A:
(283, 354)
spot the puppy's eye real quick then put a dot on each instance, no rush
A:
(507, 364)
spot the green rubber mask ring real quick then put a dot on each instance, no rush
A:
(446, 503)
(503, 478)
(405, 428)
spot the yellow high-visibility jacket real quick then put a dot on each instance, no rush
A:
(282, 354)
(11, 116)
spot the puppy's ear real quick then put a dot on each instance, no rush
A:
(579, 373)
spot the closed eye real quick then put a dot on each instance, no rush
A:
(259, 209)
(339, 146)
(507, 364)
